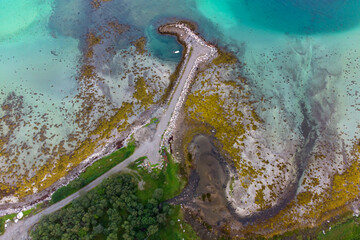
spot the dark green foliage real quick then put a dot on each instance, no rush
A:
(164, 184)
(158, 193)
(117, 209)
(110, 211)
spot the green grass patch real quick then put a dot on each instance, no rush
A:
(3, 219)
(28, 212)
(166, 178)
(97, 169)
(169, 180)
(176, 229)
(152, 121)
(348, 230)
(117, 208)
(347, 227)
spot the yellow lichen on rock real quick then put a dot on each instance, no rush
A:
(260, 199)
(310, 208)
(225, 58)
(142, 93)
(223, 106)
(210, 109)
(57, 168)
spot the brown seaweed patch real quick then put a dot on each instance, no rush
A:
(211, 109)
(140, 45)
(117, 27)
(55, 169)
(225, 58)
(142, 93)
(92, 40)
(88, 71)
(97, 3)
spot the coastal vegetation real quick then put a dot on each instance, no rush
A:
(167, 178)
(100, 118)
(118, 208)
(98, 168)
(347, 230)
(233, 121)
(224, 117)
(344, 227)
(59, 162)
(321, 208)
(171, 181)
(110, 211)
(3, 219)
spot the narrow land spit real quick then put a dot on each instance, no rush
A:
(198, 51)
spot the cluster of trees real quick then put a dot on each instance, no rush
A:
(110, 211)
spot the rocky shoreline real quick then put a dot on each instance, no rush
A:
(45, 195)
(200, 52)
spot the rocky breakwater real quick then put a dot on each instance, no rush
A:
(197, 51)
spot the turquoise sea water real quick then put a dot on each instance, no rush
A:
(301, 55)
(163, 47)
(289, 16)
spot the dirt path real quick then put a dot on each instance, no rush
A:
(198, 51)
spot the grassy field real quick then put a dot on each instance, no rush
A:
(3, 219)
(97, 169)
(28, 212)
(177, 230)
(348, 230)
(135, 211)
(168, 179)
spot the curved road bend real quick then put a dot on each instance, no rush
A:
(201, 52)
